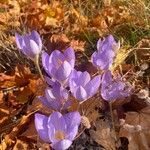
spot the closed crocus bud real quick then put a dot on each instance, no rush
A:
(57, 129)
(82, 86)
(106, 51)
(30, 44)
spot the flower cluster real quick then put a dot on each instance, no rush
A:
(62, 78)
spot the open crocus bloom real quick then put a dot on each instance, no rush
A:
(81, 85)
(59, 65)
(58, 129)
(29, 44)
(106, 51)
(112, 89)
(56, 97)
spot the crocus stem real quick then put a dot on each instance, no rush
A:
(80, 133)
(112, 119)
(36, 61)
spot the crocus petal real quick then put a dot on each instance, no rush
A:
(27, 47)
(107, 77)
(45, 62)
(36, 37)
(54, 102)
(99, 44)
(56, 58)
(51, 133)
(62, 145)
(80, 93)
(19, 40)
(107, 44)
(34, 48)
(63, 72)
(72, 118)
(93, 85)
(103, 63)
(84, 78)
(41, 126)
(52, 71)
(57, 90)
(57, 120)
(73, 85)
(49, 94)
(74, 79)
(93, 58)
(75, 74)
(72, 132)
(21, 44)
(102, 60)
(51, 103)
(49, 81)
(44, 101)
(109, 95)
(70, 56)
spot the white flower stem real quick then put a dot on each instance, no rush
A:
(36, 61)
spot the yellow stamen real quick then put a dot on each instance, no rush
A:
(59, 135)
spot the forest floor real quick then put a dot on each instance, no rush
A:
(79, 24)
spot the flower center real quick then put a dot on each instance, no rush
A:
(59, 135)
(60, 62)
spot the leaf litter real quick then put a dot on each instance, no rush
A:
(60, 27)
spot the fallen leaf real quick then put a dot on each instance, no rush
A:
(139, 139)
(103, 135)
(52, 22)
(78, 45)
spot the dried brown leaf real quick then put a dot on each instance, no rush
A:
(57, 41)
(104, 135)
(138, 139)
(77, 45)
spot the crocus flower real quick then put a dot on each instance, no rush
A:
(106, 51)
(112, 89)
(59, 65)
(30, 44)
(57, 129)
(56, 97)
(81, 85)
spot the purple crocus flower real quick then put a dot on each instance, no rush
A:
(81, 85)
(57, 129)
(112, 89)
(30, 44)
(106, 51)
(56, 97)
(59, 65)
